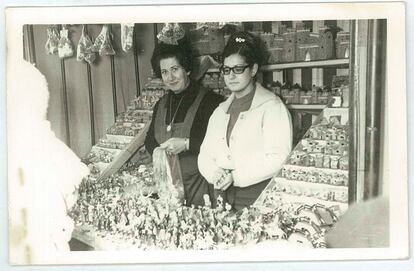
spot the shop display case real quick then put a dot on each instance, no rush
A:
(298, 206)
(316, 171)
(118, 206)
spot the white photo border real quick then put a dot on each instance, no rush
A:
(395, 109)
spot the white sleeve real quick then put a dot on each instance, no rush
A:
(206, 161)
(277, 140)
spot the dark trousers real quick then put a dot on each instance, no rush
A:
(241, 197)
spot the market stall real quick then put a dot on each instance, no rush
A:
(121, 204)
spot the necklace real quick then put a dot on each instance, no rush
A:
(175, 113)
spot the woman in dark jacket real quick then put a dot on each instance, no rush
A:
(181, 116)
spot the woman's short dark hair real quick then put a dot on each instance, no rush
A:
(182, 52)
(246, 45)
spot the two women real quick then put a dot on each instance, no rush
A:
(181, 116)
(250, 134)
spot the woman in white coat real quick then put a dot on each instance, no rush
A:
(250, 134)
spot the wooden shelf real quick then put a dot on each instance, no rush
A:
(307, 64)
(306, 106)
(311, 201)
(296, 65)
(124, 155)
(318, 186)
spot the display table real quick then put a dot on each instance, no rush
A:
(298, 206)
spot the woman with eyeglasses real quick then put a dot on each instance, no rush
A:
(180, 117)
(250, 134)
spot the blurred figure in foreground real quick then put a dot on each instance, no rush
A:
(42, 172)
(364, 225)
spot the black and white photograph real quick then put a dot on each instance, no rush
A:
(206, 133)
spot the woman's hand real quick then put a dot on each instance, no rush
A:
(218, 174)
(175, 145)
(223, 179)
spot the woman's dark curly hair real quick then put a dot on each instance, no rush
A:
(246, 45)
(182, 52)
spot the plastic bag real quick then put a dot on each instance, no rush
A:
(103, 42)
(171, 33)
(52, 42)
(127, 36)
(84, 50)
(167, 175)
(65, 48)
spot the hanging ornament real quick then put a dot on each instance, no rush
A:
(127, 36)
(171, 33)
(205, 25)
(238, 25)
(65, 48)
(103, 42)
(52, 42)
(215, 25)
(85, 46)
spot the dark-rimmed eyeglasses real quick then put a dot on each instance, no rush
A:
(239, 69)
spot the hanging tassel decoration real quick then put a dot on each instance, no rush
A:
(103, 42)
(65, 48)
(52, 42)
(85, 46)
(205, 25)
(127, 36)
(171, 33)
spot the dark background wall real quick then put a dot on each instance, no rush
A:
(68, 82)
(84, 100)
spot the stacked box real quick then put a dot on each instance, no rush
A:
(342, 44)
(257, 26)
(206, 41)
(340, 80)
(216, 40)
(307, 52)
(285, 90)
(302, 36)
(296, 89)
(276, 87)
(316, 171)
(275, 55)
(323, 95)
(289, 46)
(267, 39)
(326, 43)
(306, 97)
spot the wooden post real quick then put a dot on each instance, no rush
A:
(65, 100)
(357, 109)
(113, 81)
(91, 107)
(136, 64)
(375, 91)
(29, 45)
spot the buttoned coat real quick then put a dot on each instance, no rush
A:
(259, 143)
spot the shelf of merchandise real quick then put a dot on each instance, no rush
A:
(318, 186)
(306, 106)
(307, 64)
(297, 65)
(286, 197)
(312, 201)
(125, 154)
